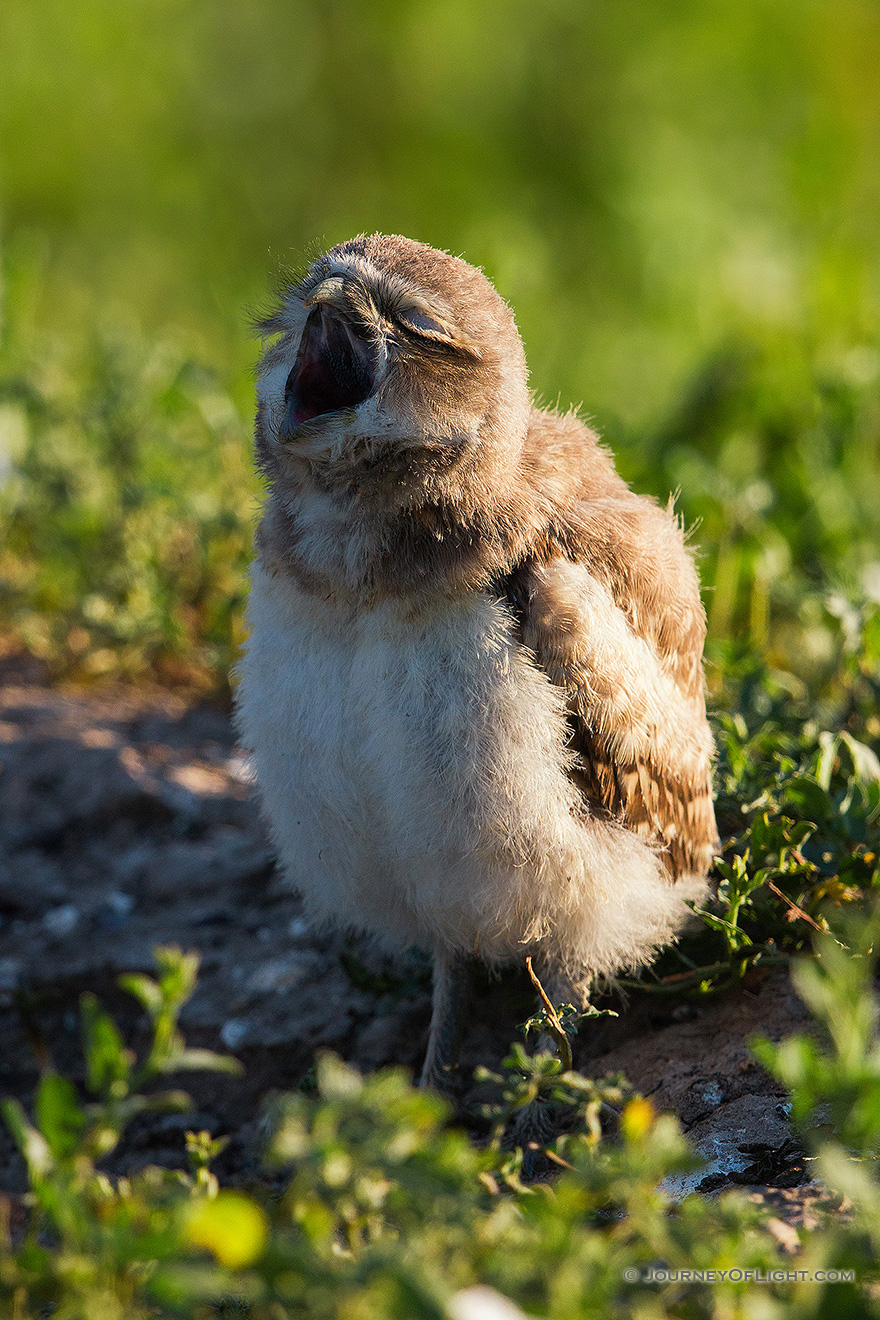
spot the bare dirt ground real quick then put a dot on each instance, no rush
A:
(129, 821)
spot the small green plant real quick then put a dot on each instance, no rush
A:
(798, 808)
(126, 512)
(91, 1242)
(559, 1022)
(835, 1078)
(390, 1209)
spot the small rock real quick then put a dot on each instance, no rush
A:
(60, 921)
(233, 1032)
(280, 974)
(115, 910)
(724, 1139)
(713, 1094)
(118, 901)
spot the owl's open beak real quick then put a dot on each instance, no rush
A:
(335, 367)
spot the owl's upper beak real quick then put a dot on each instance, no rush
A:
(336, 364)
(331, 292)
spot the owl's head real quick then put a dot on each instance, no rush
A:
(393, 358)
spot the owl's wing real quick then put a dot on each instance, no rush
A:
(636, 705)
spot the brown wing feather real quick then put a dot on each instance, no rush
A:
(677, 812)
(639, 730)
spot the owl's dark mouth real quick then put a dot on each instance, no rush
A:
(335, 369)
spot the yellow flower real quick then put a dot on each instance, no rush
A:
(637, 1119)
(231, 1226)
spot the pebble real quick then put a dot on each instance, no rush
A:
(62, 920)
(280, 974)
(233, 1032)
(713, 1095)
(113, 913)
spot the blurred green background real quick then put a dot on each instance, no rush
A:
(679, 198)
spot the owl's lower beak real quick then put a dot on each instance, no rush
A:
(335, 367)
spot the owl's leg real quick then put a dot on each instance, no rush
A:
(453, 975)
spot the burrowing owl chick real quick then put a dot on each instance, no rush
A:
(473, 686)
